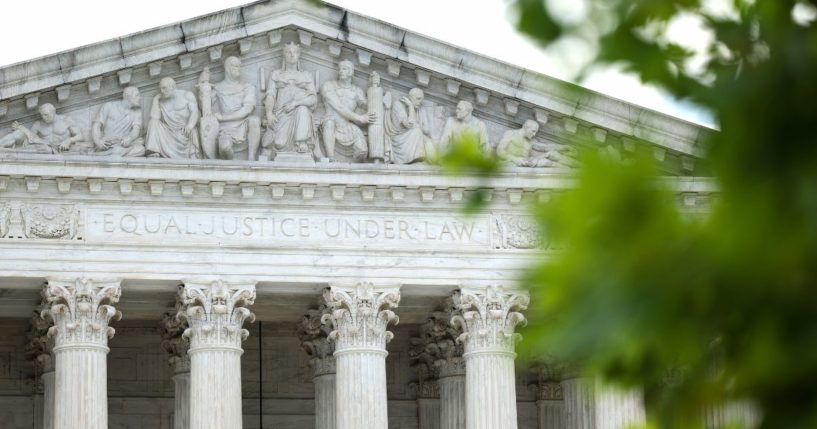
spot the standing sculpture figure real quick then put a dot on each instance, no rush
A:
(378, 151)
(238, 135)
(291, 98)
(172, 128)
(516, 145)
(117, 129)
(464, 123)
(409, 143)
(52, 133)
(341, 136)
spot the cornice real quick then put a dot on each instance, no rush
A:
(549, 99)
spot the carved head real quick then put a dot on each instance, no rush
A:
(232, 68)
(464, 109)
(48, 112)
(167, 87)
(292, 53)
(374, 78)
(346, 70)
(416, 96)
(530, 127)
(131, 96)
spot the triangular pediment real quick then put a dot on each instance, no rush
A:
(78, 82)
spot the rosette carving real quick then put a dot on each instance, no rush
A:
(314, 337)
(519, 232)
(215, 313)
(360, 316)
(488, 318)
(81, 310)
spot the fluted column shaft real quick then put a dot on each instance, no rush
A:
(325, 401)
(428, 412)
(360, 315)
(48, 399)
(215, 313)
(490, 390)
(550, 413)
(488, 318)
(452, 401)
(181, 405)
(81, 310)
(579, 403)
(616, 408)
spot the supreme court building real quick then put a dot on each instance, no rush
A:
(219, 224)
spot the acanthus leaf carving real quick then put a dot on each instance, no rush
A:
(314, 336)
(360, 316)
(489, 317)
(173, 340)
(82, 309)
(216, 312)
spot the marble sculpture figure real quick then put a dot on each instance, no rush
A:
(51, 134)
(342, 136)
(117, 129)
(516, 145)
(409, 143)
(233, 103)
(289, 105)
(172, 128)
(464, 123)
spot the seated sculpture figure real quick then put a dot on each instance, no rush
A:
(409, 142)
(117, 129)
(289, 103)
(232, 102)
(464, 123)
(342, 136)
(172, 128)
(516, 145)
(51, 134)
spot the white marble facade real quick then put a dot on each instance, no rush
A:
(253, 192)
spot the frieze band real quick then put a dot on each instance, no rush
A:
(298, 121)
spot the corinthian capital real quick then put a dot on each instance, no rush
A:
(173, 341)
(81, 310)
(360, 315)
(38, 348)
(216, 312)
(489, 317)
(314, 337)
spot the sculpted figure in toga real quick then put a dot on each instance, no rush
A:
(172, 128)
(464, 123)
(342, 136)
(52, 133)
(516, 145)
(291, 98)
(408, 140)
(232, 103)
(117, 129)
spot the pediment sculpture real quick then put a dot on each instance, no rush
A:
(292, 114)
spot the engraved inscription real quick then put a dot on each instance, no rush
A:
(273, 229)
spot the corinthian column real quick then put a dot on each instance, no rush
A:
(176, 346)
(81, 310)
(359, 316)
(315, 342)
(488, 318)
(549, 392)
(423, 353)
(216, 312)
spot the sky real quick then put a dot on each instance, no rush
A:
(44, 27)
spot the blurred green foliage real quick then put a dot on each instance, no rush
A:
(698, 311)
